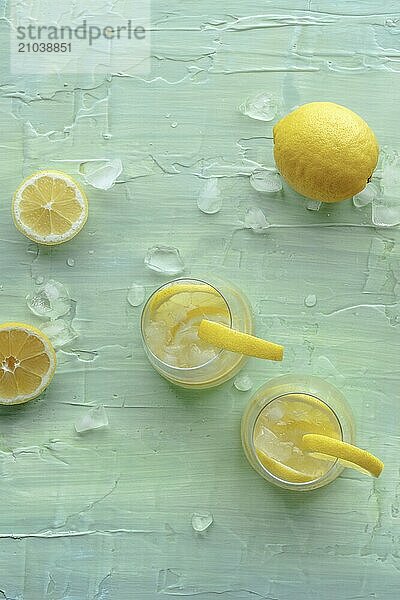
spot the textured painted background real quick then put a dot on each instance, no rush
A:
(108, 515)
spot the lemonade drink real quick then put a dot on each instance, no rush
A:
(278, 417)
(170, 323)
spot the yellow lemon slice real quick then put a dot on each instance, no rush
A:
(280, 470)
(350, 456)
(168, 292)
(27, 363)
(49, 208)
(223, 337)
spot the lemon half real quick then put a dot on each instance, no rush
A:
(325, 151)
(49, 208)
(27, 363)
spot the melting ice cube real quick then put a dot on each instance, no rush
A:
(136, 294)
(313, 205)
(262, 106)
(164, 259)
(50, 301)
(59, 332)
(96, 418)
(310, 300)
(264, 180)
(209, 200)
(101, 174)
(366, 196)
(256, 220)
(386, 208)
(202, 521)
(243, 383)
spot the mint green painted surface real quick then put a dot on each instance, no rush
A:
(107, 515)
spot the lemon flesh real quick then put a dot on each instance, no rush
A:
(223, 337)
(49, 208)
(27, 363)
(325, 151)
(327, 448)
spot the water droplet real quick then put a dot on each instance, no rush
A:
(265, 180)
(96, 418)
(262, 106)
(366, 196)
(164, 259)
(310, 300)
(59, 332)
(136, 294)
(50, 301)
(256, 220)
(174, 124)
(101, 174)
(202, 521)
(209, 200)
(243, 383)
(313, 205)
(71, 262)
(39, 280)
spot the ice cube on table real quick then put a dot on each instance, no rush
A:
(136, 294)
(313, 205)
(262, 107)
(256, 220)
(209, 200)
(101, 174)
(386, 207)
(243, 383)
(310, 300)
(202, 521)
(59, 332)
(50, 301)
(96, 418)
(266, 180)
(386, 211)
(164, 259)
(367, 195)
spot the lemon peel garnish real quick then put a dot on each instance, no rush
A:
(280, 470)
(165, 293)
(350, 456)
(224, 337)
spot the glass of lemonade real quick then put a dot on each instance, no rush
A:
(169, 326)
(277, 417)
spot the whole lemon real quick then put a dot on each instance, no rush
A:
(325, 151)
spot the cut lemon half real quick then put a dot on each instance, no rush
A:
(280, 470)
(49, 208)
(224, 337)
(348, 455)
(27, 363)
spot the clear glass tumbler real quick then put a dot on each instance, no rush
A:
(276, 418)
(169, 325)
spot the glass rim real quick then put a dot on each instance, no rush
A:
(275, 478)
(157, 358)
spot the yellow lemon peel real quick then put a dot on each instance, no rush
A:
(347, 454)
(223, 337)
